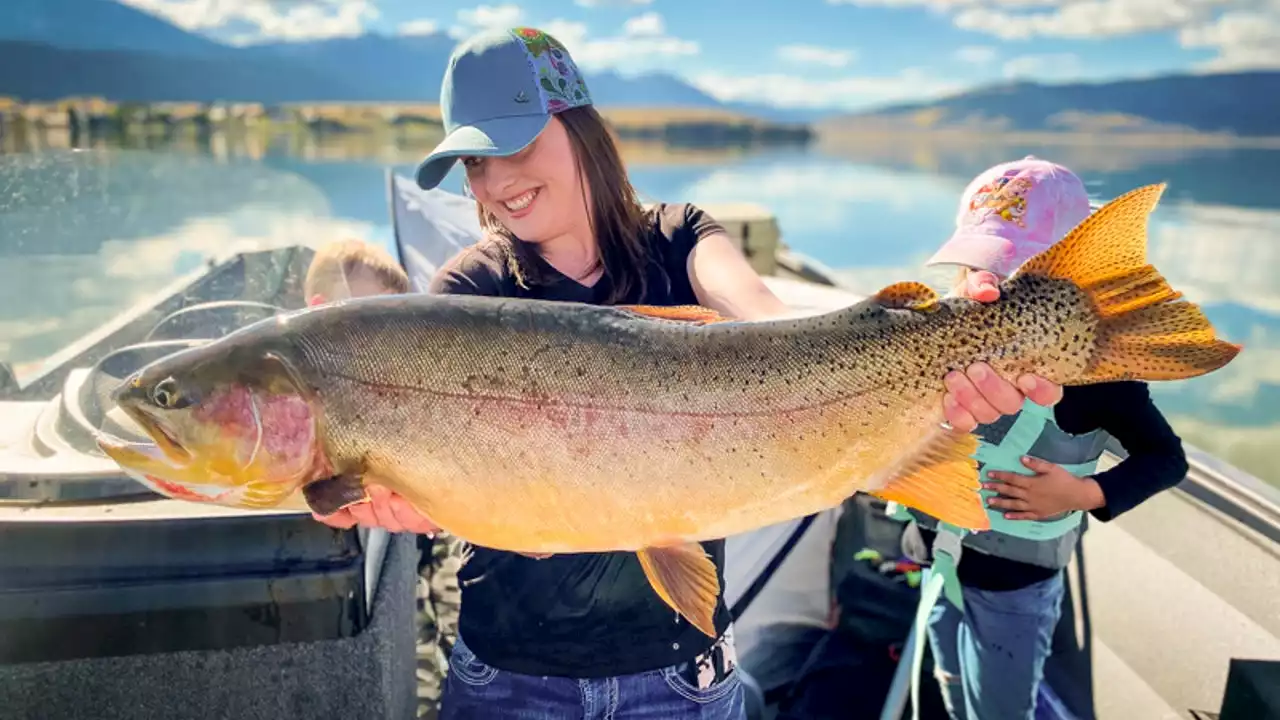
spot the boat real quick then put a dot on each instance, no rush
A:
(118, 603)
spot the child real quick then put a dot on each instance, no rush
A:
(989, 656)
(352, 268)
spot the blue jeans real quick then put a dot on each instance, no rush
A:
(990, 659)
(476, 691)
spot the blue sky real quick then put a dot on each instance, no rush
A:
(798, 53)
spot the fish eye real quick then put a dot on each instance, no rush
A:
(166, 395)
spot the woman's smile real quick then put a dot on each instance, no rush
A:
(521, 205)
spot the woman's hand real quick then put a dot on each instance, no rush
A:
(384, 509)
(978, 396)
(387, 510)
(1051, 491)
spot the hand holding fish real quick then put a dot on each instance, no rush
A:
(980, 396)
(383, 509)
(1051, 491)
(387, 510)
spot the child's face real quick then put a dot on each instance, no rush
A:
(360, 284)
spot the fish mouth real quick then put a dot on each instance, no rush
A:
(163, 437)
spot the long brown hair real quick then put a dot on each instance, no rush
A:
(616, 217)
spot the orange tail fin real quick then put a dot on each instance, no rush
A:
(1147, 332)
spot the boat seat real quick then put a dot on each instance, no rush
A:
(211, 319)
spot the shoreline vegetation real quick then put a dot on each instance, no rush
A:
(82, 121)
(677, 127)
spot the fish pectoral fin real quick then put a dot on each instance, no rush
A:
(331, 494)
(685, 578)
(942, 481)
(695, 314)
(909, 295)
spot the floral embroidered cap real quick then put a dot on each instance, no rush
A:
(1012, 212)
(500, 89)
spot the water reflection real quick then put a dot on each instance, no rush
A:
(86, 234)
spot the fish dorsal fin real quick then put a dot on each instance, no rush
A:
(941, 479)
(907, 295)
(685, 578)
(695, 314)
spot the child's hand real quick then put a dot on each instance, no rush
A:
(980, 396)
(1051, 491)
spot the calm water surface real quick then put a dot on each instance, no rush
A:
(84, 234)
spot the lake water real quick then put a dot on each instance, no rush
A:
(85, 234)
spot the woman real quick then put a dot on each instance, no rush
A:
(583, 634)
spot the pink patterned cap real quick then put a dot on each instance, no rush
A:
(1012, 212)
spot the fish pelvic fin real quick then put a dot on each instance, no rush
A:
(685, 578)
(329, 495)
(1145, 331)
(694, 314)
(941, 480)
(908, 295)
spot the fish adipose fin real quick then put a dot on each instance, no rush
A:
(695, 314)
(1146, 331)
(909, 295)
(329, 495)
(685, 578)
(942, 481)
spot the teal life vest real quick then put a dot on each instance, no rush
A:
(1048, 543)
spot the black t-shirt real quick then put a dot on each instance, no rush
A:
(581, 614)
(1155, 462)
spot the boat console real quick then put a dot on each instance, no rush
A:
(116, 602)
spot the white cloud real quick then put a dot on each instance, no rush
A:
(854, 92)
(608, 3)
(814, 55)
(570, 34)
(1246, 33)
(1244, 40)
(423, 26)
(1086, 18)
(1059, 66)
(643, 37)
(485, 17)
(649, 24)
(300, 20)
(977, 54)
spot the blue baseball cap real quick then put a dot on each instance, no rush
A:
(500, 90)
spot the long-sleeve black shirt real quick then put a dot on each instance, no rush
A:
(1155, 462)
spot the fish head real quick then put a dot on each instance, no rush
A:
(228, 425)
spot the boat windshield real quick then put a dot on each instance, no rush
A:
(97, 238)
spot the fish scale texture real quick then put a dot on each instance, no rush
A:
(369, 676)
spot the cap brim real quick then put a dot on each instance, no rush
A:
(490, 138)
(977, 251)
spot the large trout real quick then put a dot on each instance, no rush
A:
(546, 427)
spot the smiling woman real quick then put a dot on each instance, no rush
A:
(584, 633)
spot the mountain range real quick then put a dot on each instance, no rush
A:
(51, 49)
(1244, 103)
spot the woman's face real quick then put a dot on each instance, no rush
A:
(537, 193)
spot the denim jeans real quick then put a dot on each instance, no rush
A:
(989, 660)
(476, 691)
